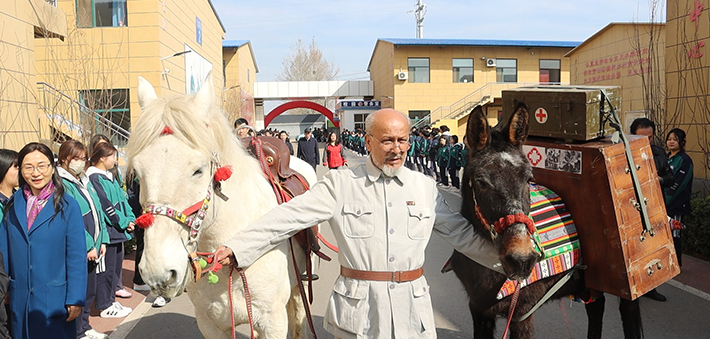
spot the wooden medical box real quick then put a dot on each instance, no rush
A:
(593, 180)
(565, 112)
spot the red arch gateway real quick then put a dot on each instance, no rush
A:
(299, 104)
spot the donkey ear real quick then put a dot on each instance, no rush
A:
(146, 93)
(518, 126)
(478, 133)
(205, 96)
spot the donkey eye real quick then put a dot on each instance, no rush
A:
(481, 183)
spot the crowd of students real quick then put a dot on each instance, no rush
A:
(64, 221)
(432, 151)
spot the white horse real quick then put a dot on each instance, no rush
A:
(175, 166)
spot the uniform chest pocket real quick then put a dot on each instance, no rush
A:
(358, 220)
(419, 222)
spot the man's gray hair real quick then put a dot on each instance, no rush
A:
(371, 119)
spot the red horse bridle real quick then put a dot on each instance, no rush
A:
(501, 224)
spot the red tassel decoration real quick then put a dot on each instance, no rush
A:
(145, 220)
(166, 131)
(223, 173)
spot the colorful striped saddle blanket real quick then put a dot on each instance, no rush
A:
(556, 233)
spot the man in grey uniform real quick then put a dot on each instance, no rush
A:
(382, 215)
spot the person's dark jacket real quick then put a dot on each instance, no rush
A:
(308, 151)
(662, 167)
(290, 147)
(4, 283)
(678, 196)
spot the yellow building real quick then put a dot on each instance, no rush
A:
(688, 78)
(442, 79)
(24, 22)
(630, 55)
(239, 76)
(173, 44)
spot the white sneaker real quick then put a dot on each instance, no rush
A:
(138, 287)
(160, 301)
(116, 311)
(92, 334)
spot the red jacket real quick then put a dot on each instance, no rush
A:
(333, 156)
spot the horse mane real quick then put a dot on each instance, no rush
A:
(204, 129)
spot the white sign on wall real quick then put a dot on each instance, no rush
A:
(196, 70)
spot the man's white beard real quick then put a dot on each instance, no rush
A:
(392, 172)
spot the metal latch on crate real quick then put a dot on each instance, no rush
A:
(641, 203)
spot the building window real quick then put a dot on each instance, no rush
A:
(550, 71)
(418, 69)
(101, 13)
(360, 120)
(112, 104)
(462, 70)
(416, 115)
(506, 70)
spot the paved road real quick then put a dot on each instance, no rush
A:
(684, 315)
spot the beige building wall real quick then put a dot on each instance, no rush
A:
(22, 21)
(389, 59)
(630, 55)
(112, 58)
(240, 71)
(688, 78)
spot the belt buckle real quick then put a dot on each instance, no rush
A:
(396, 275)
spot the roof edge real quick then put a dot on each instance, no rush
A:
(217, 16)
(607, 27)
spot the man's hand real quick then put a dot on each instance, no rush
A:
(131, 226)
(226, 256)
(91, 256)
(73, 311)
(103, 249)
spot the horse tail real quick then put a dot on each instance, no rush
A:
(631, 318)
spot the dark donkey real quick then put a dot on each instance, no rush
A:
(496, 181)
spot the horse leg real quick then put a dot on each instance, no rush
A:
(297, 315)
(522, 330)
(631, 318)
(595, 317)
(483, 325)
(209, 329)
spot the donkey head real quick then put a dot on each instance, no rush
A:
(496, 187)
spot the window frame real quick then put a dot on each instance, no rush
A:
(502, 76)
(456, 71)
(412, 70)
(559, 72)
(359, 124)
(93, 14)
(108, 113)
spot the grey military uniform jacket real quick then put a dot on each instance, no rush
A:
(380, 224)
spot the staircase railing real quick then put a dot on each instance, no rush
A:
(485, 94)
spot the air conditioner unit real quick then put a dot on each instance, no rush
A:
(402, 76)
(491, 62)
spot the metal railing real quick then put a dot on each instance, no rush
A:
(75, 119)
(481, 96)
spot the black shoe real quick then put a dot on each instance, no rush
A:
(314, 277)
(653, 294)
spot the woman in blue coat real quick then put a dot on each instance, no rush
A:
(42, 239)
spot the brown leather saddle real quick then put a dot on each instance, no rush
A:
(278, 157)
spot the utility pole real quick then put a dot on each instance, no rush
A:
(419, 13)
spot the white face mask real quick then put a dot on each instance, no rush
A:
(77, 166)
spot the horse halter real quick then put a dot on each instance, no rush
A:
(501, 224)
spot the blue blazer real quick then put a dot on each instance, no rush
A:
(47, 267)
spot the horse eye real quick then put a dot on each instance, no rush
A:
(198, 172)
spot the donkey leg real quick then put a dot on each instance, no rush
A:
(595, 317)
(631, 318)
(522, 330)
(484, 326)
(297, 315)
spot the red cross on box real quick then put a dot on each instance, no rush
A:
(534, 156)
(541, 115)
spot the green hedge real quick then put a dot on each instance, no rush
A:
(696, 236)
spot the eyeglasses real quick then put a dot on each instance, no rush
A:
(389, 144)
(42, 168)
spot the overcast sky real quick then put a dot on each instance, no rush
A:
(346, 31)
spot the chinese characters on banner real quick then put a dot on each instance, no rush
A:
(694, 51)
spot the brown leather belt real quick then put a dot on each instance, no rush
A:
(399, 276)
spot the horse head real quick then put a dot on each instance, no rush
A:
(496, 188)
(174, 150)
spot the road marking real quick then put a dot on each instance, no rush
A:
(691, 290)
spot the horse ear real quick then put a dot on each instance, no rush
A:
(478, 132)
(518, 126)
(205, 96)
(146, 93)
